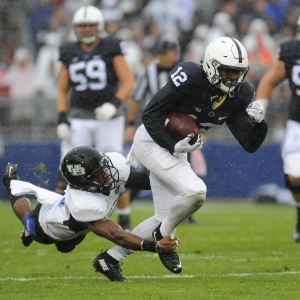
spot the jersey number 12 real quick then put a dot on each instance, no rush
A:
(178, 77)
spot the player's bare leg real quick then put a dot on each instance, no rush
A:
(123, 210)
(21, 208)
(20, 204)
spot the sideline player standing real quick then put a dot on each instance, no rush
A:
(214, 93)
(95, 182)
(287, 66)
(94, 80)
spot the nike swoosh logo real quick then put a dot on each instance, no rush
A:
(221, 118)
(154, 236)
(179, 266)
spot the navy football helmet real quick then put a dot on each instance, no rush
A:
(82, 164)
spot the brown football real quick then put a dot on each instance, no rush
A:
(179, 125)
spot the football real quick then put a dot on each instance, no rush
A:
(179, 125)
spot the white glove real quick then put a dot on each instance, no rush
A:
(63, 131)
(184, 146)
(255, 111)
(264, 103)
(105, 112)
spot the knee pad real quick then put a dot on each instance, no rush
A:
(199, 199)
(197, 188)
(293, 188)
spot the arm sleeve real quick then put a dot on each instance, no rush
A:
(138, 180)
(250, 135)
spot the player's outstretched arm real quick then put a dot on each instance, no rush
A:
(125, 76)
(268, 82)
(114, 233)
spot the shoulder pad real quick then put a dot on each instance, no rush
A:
(185, 75)
(115, 45)
(289, 48)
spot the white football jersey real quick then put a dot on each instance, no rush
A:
(62, 217)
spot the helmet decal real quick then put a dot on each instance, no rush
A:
(239, 50)
(76, 170)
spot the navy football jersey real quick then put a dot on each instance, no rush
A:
(188, 92)
(289, 53)
(93, 80)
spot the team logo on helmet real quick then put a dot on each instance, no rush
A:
(76, 170)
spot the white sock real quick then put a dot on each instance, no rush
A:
(123, 211)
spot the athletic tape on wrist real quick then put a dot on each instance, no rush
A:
(148, 246)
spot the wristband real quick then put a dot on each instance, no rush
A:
(131, 123)
(148, 246)
(62, 118)
(115, 101)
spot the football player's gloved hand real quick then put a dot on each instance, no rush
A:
(105, 112)
(63, 128)
(184, 146)
(255, 111)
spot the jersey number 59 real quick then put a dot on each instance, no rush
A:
(88, 74)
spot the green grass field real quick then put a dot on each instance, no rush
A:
(238, 251)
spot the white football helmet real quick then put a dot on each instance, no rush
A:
(88, 15)
(226, 53)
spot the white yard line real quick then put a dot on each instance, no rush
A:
(147, 277)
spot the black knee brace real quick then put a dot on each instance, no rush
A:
(293, 188)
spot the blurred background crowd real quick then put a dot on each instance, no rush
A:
(31, 32)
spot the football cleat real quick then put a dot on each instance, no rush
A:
(10, 173)
(170, 260)
(26, 238)
(296, 234)
(124, 222)
(112, 271)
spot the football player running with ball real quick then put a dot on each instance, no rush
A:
(95, 182)
(94, 80)
(213, 93)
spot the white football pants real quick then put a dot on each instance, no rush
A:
(291, 149)
(107, 136)
(177, 190)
